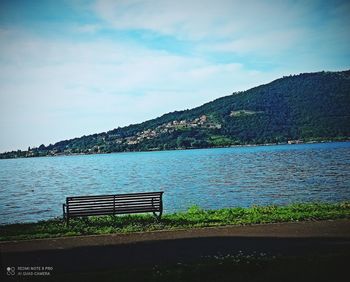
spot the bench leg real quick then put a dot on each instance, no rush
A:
(158, 217)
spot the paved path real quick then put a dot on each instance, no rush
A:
(120, 250)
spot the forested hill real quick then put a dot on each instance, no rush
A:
(305, 107)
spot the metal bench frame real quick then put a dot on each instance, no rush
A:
(83, 206)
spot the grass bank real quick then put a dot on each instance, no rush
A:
(192, 218)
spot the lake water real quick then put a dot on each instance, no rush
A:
(34, 188)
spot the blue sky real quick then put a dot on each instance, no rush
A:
(69, 68)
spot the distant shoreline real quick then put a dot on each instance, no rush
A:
(291, 142)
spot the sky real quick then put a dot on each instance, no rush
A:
(73, 68)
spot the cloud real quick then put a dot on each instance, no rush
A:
(70, 88)
(194, 20)
(87, 28)
(270, 43)
(127, 61)
(242, 27)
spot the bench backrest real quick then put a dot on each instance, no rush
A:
(114, 204)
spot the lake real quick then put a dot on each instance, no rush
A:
(34, 189)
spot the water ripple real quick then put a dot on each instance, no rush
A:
(34, 189)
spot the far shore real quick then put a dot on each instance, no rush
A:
(290, 142)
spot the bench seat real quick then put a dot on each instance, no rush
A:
(83, 206)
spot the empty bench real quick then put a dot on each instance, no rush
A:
(83, 206)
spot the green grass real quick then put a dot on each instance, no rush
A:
(219, 140)
(192, 218)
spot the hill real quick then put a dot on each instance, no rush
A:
(306, 107)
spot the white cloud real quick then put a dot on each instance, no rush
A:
(55, 89)
(195, 19)
(211, 70)
(88, 28)
(242, 27)
(270, 43)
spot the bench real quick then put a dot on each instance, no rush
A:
(83, 206)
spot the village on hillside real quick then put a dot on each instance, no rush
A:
(200, 122)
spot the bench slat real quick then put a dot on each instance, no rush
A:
(155, 205)
(116, 195)
(112, 199)
(117, 203)
(110, 211)
(116, 199)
